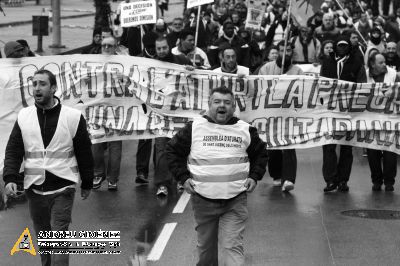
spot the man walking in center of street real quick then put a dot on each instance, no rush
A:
(53, 140)
(218, 158)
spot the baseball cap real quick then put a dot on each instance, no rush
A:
(12, 47)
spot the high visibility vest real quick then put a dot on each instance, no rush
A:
(58, 157)
(390, 76)
(218, 161)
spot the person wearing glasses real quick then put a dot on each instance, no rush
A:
(114, 148)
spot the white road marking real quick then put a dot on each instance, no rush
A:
(182, 202)
(161, 242)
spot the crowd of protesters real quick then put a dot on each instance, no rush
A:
(339, 38)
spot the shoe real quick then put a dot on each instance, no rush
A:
(330, 187)
(277, 182)
(179, 186)
(112, 186)
(97, 182)
(141, 179)
(287, 186)
(376, 187)
(389, 188)
(343, 187)
(162, 191)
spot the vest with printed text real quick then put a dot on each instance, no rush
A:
(218, 161)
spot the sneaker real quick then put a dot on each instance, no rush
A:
(162, 191)
(97, 182)
(287, 186)
(376, 187)
(343, 187)
(112, 186)
(141, 179)
(389, 188)
(277, 183)
(179, 186)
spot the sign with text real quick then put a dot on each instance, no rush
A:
(193, 3)
(138, 13)
(125, 97)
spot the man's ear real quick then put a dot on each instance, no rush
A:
(53, 89)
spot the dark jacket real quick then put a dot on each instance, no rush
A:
(48, 120)
(178, 149)
(176, 59)
(352, 70)
(393, 62)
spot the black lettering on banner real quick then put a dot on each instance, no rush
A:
(154, 99)
(258, 94)
(112, 119)
(131, 121)
(377, 100)
(303, 123)
(340, 127)
(324, 129)
(181, 95)
(294, 94)
(390, 93)
(71, 80)
(397, 135)
(377, 131)
(329, 85)
(110, 74)
(239, 91)
(92, 69)
(387, 127)
(272, 92)
(343, 96)
(362, 133)
(359, 98)
(314, 93)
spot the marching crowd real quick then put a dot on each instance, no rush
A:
(352, 41)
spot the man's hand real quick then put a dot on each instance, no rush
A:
(11, 189)
(189, 186)
(250, 184)
(85, 193)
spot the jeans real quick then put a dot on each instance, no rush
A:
(51, 213)
(114, 149)
(282, 164)
(383, 165)
(143, 157)
(332, 170)
(226, 217)
(162, 175)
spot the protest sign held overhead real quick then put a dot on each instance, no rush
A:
(138, 13)
(255, 13)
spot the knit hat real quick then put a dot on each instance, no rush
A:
(11, 47)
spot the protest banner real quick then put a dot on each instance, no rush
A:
(125, 97)
(138, 13)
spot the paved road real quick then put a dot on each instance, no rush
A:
(305, 227)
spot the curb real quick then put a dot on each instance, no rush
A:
(19, 23)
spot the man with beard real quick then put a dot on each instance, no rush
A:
(306, 47)
(282, 164)
(392, 59)
(186, 47)
(162, 176)
(375, 40)
(327, 31)
(383, 164)
(54, 143)
(229, 64)
(340, 65)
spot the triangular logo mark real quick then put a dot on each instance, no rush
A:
(24, 243)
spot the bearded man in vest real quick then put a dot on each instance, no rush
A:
(383, 164)
(54, 142)
(218, 158)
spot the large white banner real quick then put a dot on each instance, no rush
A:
(124, 97)
(138, 13)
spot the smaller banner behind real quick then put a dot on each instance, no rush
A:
(138, 13)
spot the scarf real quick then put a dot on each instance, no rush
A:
(340, 63)
(229, 39)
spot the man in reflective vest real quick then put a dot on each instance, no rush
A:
(54, 142)
(218, 158)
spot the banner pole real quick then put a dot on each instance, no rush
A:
(287, 30)
(141, 37)
(196, 34)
